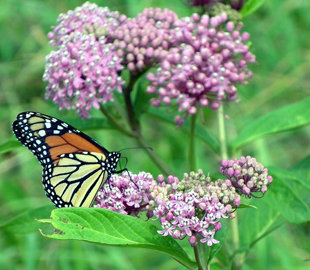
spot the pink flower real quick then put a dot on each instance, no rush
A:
(203, 67)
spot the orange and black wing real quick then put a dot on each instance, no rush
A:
(74, 166)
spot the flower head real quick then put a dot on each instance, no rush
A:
(82, 70)
(191, 207)
(121, 194)
(194, 206)
(247, 175)
(86, 19)
(142, 41)
(204, 67)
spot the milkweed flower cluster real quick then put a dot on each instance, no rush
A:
(247, 175)
(127, 194)
(82, 70)
(204, 66)
(219, 4)
(191, 207)
(194, 207)
(144, 40)
(201, 59)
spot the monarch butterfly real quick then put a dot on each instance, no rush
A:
(75, 167)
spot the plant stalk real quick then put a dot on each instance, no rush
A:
(192, 149)
(224, 155)
(201, 256)
(222, 133)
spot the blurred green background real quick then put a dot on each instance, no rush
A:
(280, 36)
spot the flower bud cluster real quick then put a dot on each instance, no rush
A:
(82, 70)
(204, 66)
(247, 175)
(144, 40)
(128, 193)
(86, 19)
(190, 207)
(194, 206)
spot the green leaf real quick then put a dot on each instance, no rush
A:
(257, 223)
(9, 145)
(105, 227)
(250, 6)
(289, 195)
(26, 222)
(286, 118)
(302, 168)
(89, 123)
(201, 133)
(243, 205)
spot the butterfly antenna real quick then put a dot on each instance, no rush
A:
(138, 147)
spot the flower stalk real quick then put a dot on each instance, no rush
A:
(192, 148)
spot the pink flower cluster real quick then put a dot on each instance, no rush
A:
(247, 175)
(190, 207)
(200, 60)
(204, 66)
(86, 19)
(194, 207)
(122, 195)
(83, 70)
(143, 41)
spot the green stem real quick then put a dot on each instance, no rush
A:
(237, 262)
(201, 256)
(192, 149)
(224, 155)
(133, 122)
(114, 122)
(135, 127)
(222, 132)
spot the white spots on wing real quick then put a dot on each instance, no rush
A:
(42, 133)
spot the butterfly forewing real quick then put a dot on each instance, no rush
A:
(74, 166)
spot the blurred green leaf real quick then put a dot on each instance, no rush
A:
(243, 205)
(9, 145)
(287, 194)
(105, 227)
(257, 223)
(302, 168)
(250, 6)
(89, 123)
(26, 222)
(286, 118)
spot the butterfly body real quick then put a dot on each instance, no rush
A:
(74, 166)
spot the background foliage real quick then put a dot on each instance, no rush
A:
(280, 40)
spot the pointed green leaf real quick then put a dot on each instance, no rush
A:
(288, 194)
(105, 227)
(286, 118)
(26, 222)
(257, 223)
(302, 168)
(89, 123)
(250, 6)
(9, 145)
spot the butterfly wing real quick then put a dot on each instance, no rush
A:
(74, 166)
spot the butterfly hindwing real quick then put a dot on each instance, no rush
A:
(76, 179)
(74, 166)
